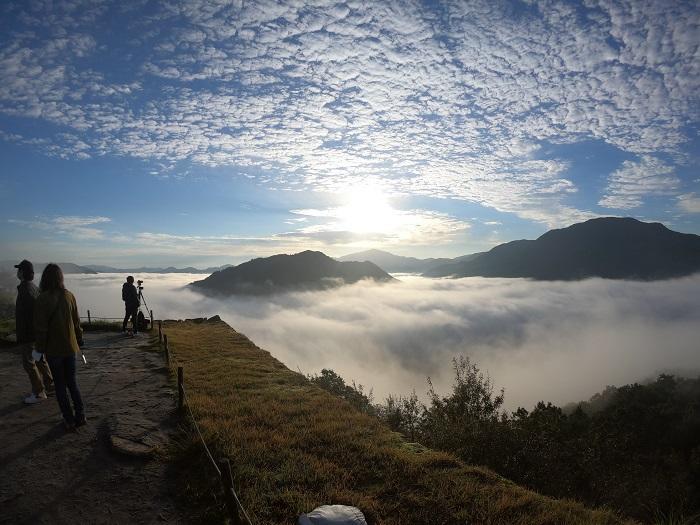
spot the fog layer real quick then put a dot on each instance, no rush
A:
(553, 341)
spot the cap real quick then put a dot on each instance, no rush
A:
(25, 265)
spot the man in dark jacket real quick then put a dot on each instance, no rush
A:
(37, 370)
(131, 301)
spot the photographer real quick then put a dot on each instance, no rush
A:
(131, 301)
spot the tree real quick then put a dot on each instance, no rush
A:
(466, 421)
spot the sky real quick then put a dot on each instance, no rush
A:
(552, 341)
(209, 132)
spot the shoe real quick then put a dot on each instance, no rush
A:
(34, 398)
(80, 421)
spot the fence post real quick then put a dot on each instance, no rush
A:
(160, 332)
(167, 350)
(89, 318)
(180, 391)
(227, 481)
(151, 319)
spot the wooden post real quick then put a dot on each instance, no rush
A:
(160, 332)
(180, 390)
(227, 482)
(89, 318)
(151, 319)
(167, 350)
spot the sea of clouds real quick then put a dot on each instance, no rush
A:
(553, 341)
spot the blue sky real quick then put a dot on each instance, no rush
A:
(206, 132)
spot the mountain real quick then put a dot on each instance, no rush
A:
(68, 268)
(399, 264)
(608, 247)
(147, 269)
(305, 270)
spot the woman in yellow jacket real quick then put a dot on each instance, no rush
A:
(59, 336)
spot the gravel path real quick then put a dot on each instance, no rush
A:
(48, 475)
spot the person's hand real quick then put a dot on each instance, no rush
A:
(36, 355)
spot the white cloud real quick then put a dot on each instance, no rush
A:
(324, 96)
(689, 202)
(552, 341)
(629, 185)
(76, 227)
(371, 221)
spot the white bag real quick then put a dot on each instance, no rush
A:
(333, 515)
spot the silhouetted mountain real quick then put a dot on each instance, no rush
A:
(399, 264)
(610, 247)
(148, 269)
(306, 270)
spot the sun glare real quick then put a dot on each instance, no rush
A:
(368, 211)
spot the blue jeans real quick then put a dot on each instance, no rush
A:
(63, 371)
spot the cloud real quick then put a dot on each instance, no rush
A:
(554, 341)
(689, 203)
(73, 226)
(450, 101)
(378, 223)
(629, 185)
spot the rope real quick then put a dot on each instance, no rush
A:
(204, 444)
(201, 438)
(240, 505)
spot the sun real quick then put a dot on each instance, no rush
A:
(368, 210)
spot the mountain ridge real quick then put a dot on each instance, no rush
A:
(307, 270)
(393, 263)
(607, 247)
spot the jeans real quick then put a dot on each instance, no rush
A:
(63, 370)
(38, 371)
(131, 312)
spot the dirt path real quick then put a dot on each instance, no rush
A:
(48, 475)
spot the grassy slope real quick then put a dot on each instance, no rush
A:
(294, 446)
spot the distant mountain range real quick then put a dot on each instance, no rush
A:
(147, 269)
(609, 247)
(307, 270)
(68, 268)
(399, 264)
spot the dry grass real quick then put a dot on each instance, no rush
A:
(293, 447)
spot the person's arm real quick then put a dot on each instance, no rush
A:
(76, 321)
(40, 324)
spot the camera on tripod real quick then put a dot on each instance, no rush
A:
(141, 318)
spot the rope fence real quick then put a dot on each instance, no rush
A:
(223, 467)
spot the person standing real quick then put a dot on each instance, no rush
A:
(131, 302)
(38, 371)
(59, 337)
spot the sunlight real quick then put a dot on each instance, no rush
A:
(368, 211)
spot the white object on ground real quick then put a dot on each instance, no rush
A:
(333, 515)
(33, 398)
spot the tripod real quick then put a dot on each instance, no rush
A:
(142, 299)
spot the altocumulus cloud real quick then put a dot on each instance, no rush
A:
(553, 341)
(454, 100)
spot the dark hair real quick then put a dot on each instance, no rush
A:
(130, 279)
(52, 278)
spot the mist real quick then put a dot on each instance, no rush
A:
(552, 341)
